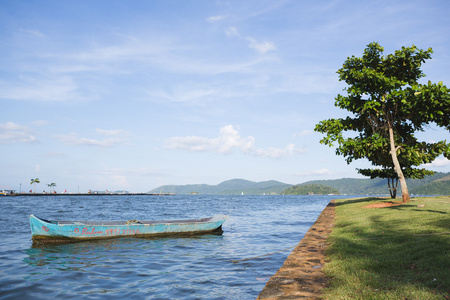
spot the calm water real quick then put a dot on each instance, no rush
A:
(165, 268)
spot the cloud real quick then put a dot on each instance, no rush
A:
(314, 173)
(57, 89)
(14, 133)
(33, 32)
(214, 19)
(138, 172)
(55, 154)
(228, 141)
(261, 47)
(305, 133)
(119, 177)
(117, 132)
(40, 123)
(232, 31)
(438, 163)
(113, 138)
(290, 150)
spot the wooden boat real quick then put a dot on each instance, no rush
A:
(44, 231)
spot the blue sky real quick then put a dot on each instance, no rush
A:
(131, 95)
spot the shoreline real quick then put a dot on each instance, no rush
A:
(88, 194)
(301, 275)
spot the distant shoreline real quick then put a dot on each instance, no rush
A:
(91, 194)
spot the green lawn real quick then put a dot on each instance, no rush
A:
(399, 252)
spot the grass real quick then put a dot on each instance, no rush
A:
(398, 252)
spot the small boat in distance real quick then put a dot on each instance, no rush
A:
(6, 192)
(44, 231)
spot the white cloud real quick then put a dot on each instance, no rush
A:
(33, 32)
(230, 138)
(214, 19)
(438, 163)
(305, 133)
(232, 31)
(114, 137)
(314, 173)
(228, 141)
(290, 150)
(117, 180)
(116, 132)
(261, 47)
(40, 123)
(119, 177)
(55, 154)
(61, 88)
(14, 133)
(138, 172)
(186, 94)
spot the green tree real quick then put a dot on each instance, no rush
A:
(388, 105)
(51, 185)
(34, 181)
(381, 158)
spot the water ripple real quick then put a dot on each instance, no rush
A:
(165, 268)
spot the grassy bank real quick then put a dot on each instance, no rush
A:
(397, 252)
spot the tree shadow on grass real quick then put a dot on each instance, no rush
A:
(404, 206)
(359, 200)
(394, 260)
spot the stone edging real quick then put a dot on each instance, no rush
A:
(301, 276)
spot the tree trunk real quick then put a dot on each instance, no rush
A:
(397, 167)
(390, 189)
(393, 188)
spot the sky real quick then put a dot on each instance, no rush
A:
(132, 95)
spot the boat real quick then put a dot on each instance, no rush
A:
(7, 192)
(44, 231)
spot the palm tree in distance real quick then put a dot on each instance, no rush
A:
(52, 185)
(34, 181)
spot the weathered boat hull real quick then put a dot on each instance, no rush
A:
(44, 231)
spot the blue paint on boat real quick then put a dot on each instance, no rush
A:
(44, 231)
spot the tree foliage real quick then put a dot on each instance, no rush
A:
(34, 181)
(388, 106)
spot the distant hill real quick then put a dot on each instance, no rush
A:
(310, 189)
(229, 187)
(438, 184)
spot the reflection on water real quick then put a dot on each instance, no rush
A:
(197, 267)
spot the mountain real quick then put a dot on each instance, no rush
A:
(229, 187)
(437, 184)
(310, 189)
(440, 186)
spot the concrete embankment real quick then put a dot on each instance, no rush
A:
(301, 276)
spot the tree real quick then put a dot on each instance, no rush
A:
(34, 181)
(388, 105)
(51, 185)
(385, 169)
(392, 177)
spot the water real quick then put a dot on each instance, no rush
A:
(162, 268)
